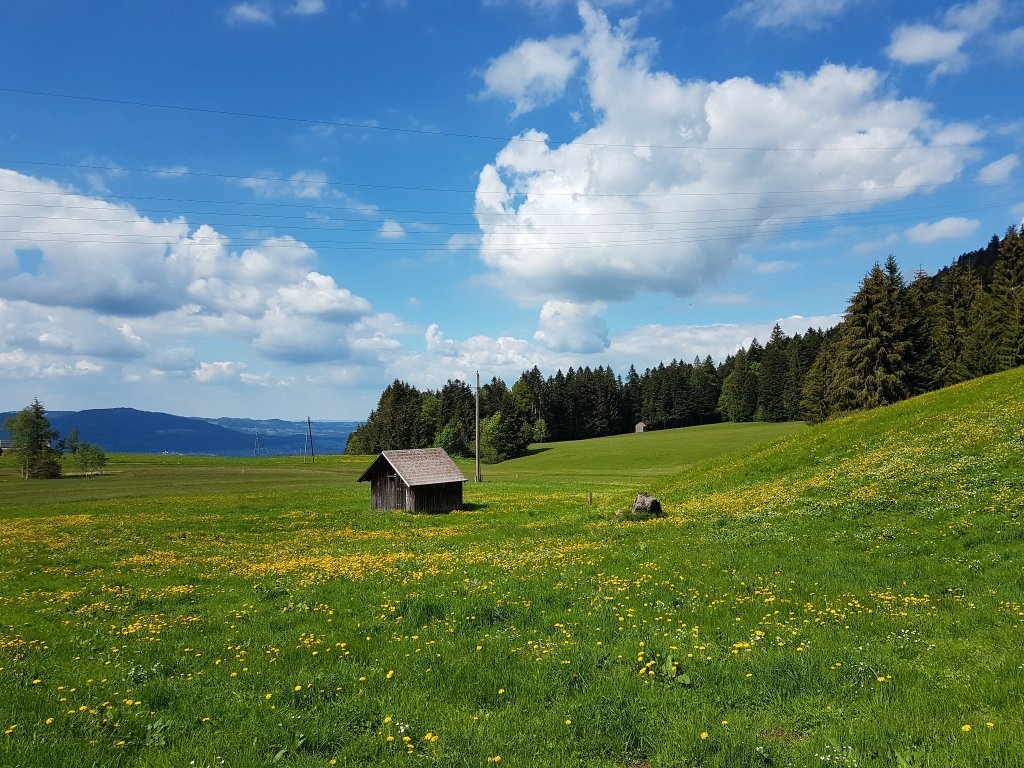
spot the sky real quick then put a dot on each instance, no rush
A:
(274, 208)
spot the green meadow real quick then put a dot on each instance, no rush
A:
(850, 594)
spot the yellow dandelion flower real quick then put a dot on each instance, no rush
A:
(965, 728)
(568, 721)
(703, 735)
(387, 719)
(987, 725)
(298, 687)
(390, 674)
(268, 696)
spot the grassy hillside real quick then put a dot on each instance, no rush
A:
(850, 594)
(651, 454)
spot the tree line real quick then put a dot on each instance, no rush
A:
(896, 340)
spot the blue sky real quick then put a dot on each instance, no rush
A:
(275, 207)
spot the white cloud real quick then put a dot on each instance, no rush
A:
(999, 170)
(250, 13)
(462, 241)
(320, 295)
(925, 44)
(942, 45)
(218, 371)
(391, 230)
(301, 185)
(946, 229)
(125, 288)
(641, 201)
(973, 17)
(810, 14)
(566, 326)
(534, 73)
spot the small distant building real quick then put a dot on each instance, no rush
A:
(420, 480)
(641, 426)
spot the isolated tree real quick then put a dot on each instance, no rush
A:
(32, 440)
(89, 457)
(540, 431)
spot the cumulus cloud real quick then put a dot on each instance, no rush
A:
(809, 14)
(946, 229)
(117, 286)
(534, 73)
(646, 200)
(999, 170)
(566, 326)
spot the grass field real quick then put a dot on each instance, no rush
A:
(849, 594)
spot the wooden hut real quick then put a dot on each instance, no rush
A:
(419, 480)
(641, 426)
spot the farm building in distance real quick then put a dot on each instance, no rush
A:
(641, 426)
(419, 480)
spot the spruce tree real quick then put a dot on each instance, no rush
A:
(1008, 300)
(951, 320)
(32, 437)
(874, 352)
(774, 380)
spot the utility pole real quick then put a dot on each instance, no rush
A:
(309, 434)
(479, 477)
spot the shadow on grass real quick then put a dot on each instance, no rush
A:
(472, 506)
(537, 449)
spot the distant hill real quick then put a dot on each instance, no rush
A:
(126, 430)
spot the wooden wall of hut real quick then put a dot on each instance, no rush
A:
(443, 497)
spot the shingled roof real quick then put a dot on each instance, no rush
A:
(419, 466)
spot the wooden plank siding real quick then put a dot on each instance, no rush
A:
(422, 481)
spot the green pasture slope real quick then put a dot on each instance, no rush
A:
(848, 594)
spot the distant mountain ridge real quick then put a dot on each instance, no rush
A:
(127, 430)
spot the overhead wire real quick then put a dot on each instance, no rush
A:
(375, 126)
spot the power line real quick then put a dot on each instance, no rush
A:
(512, 227)
(464, 135)
(507, 192)
(316, 207)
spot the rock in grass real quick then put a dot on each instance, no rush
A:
(645, 507)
